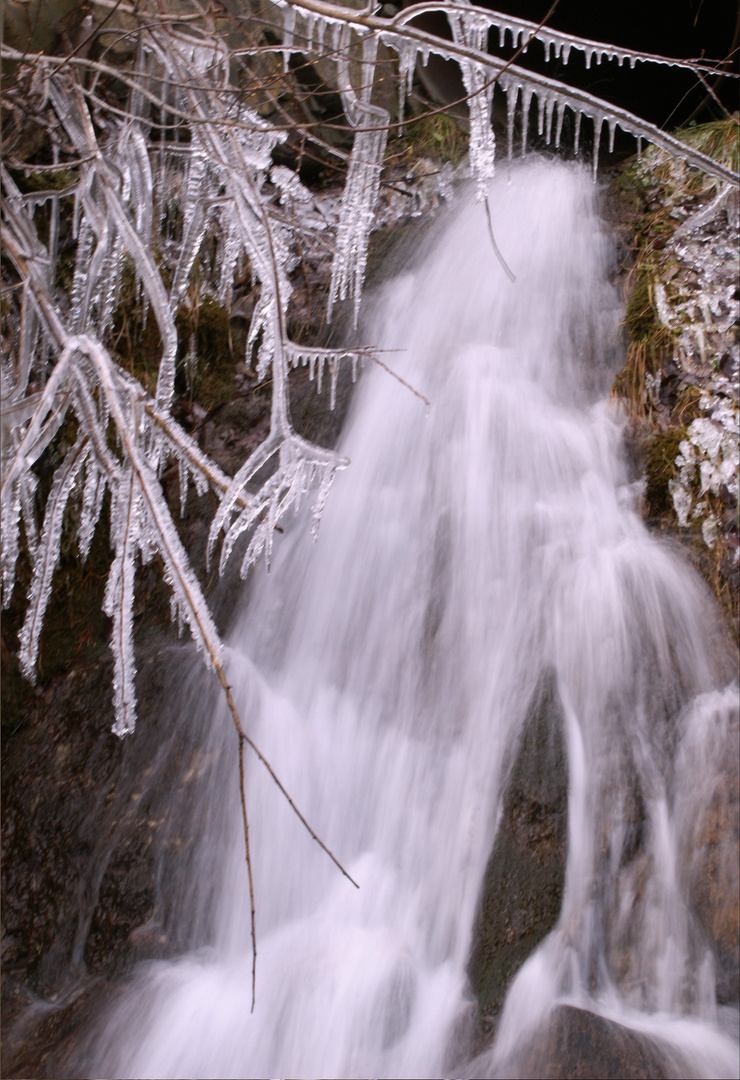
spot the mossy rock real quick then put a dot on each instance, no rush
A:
(661, 451)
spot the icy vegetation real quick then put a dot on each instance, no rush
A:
(696, 299)
(181, 159)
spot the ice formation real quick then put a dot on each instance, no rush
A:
(186, 162)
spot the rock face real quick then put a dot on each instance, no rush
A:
(87, 819)
(579, 1045)
(523, 884)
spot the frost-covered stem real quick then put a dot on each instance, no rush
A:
(155, 292)
(249, 204)
(172, 549)
(522, 27)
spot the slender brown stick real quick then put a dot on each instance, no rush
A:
(509, 273)
(244, 738)
(398, 378)
(245, 823)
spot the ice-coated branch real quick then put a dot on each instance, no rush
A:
(552, 95)
(216, 175)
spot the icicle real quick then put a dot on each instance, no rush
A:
(29, 334)
(231, 246)
(549, 111)
(512, 96)
(142, 185)
(309, 28)
(77, 314)
(357, 210)
(9, 548)
(325, 484)
(407, 52)
(109, 285)
(27, 491)
(577, 137)
(368, 66)
(47, 554)
(288, 28)
(639, 147)
(334, 371)
(589, 57)
(541, 105)
(612, 125)
(92, 502)
(118, 603)
(195, 197)
(598, 123)
(183, 478)
(526, 103)
(176, 616)
(559, 127)
(53, 229)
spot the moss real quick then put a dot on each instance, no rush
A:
(212, 378)
(649, 342)
(134, 337)
(48, 180)
(438, 137)
(661, 450)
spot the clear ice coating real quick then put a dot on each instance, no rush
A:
(363, 176)
(150, 203)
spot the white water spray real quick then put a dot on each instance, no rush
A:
(387, 673)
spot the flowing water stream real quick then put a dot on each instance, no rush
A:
(387, 671)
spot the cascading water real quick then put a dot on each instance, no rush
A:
(388, 670)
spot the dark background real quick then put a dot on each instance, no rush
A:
(688, 29)
(668, 97)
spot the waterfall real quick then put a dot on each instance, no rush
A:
(387, 672)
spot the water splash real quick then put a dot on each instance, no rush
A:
(387, 673)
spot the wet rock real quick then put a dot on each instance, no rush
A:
(525, 876)
(82, 810)
(714, 876)
(45, 1043)
(579, 1045)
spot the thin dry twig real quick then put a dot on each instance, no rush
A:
(374, 357)
(507, 270)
